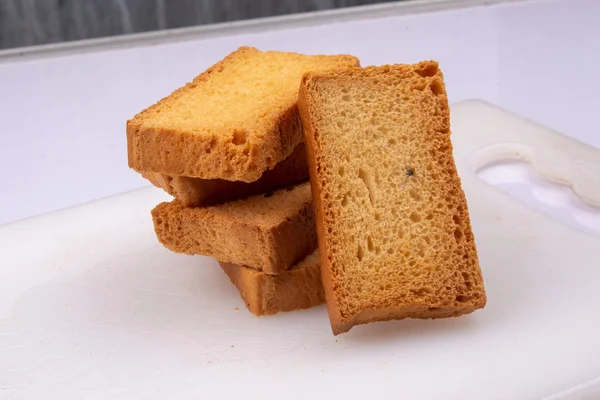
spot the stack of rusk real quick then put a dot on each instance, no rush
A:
(385, 207)
(229, 147)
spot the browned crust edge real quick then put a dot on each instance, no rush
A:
(193, 192)
(310, 138)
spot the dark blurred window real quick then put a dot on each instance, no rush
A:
(34, 22)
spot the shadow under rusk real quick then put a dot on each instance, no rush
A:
(381, 333)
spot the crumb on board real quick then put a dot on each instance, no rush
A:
(236, 309)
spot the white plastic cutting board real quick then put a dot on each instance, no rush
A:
(91, 307)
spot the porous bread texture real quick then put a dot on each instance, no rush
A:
(394, 231)
(205, 192)
(270, 232)
(233, 122)
(297, 288)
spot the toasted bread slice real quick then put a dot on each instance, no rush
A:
(233, 122)
(269, 232)
(206, 192)
(394, 231)
(297, 288)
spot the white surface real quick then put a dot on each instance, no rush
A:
(63, 116)
(99, 310)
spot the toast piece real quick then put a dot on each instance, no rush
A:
(234, 121)
(394, 230)
(270, 232)
(295, 289)
(206, 192)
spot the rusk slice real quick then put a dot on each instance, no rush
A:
(206, 192)
(269, 232)
(297, 288)
(394, 232)
(233, 122)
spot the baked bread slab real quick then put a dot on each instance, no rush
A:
(233, 122)
(297, 288)
(269, 232)
(394, 230)
(205, 192)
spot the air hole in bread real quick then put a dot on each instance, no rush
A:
(341, 171)
(428, 71)
(240, 136)
(390, 250)
(367, 179)
(377, 216)
(370, 244)
(345, 201)
(420, 291)
(437, 87)
(360, 253)
(458, 234)
(415, 217)
(392, 142)
(409, 172)
(457, 220)
(414, 195)
(212, 145)
(346, 97)
(462, 298)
